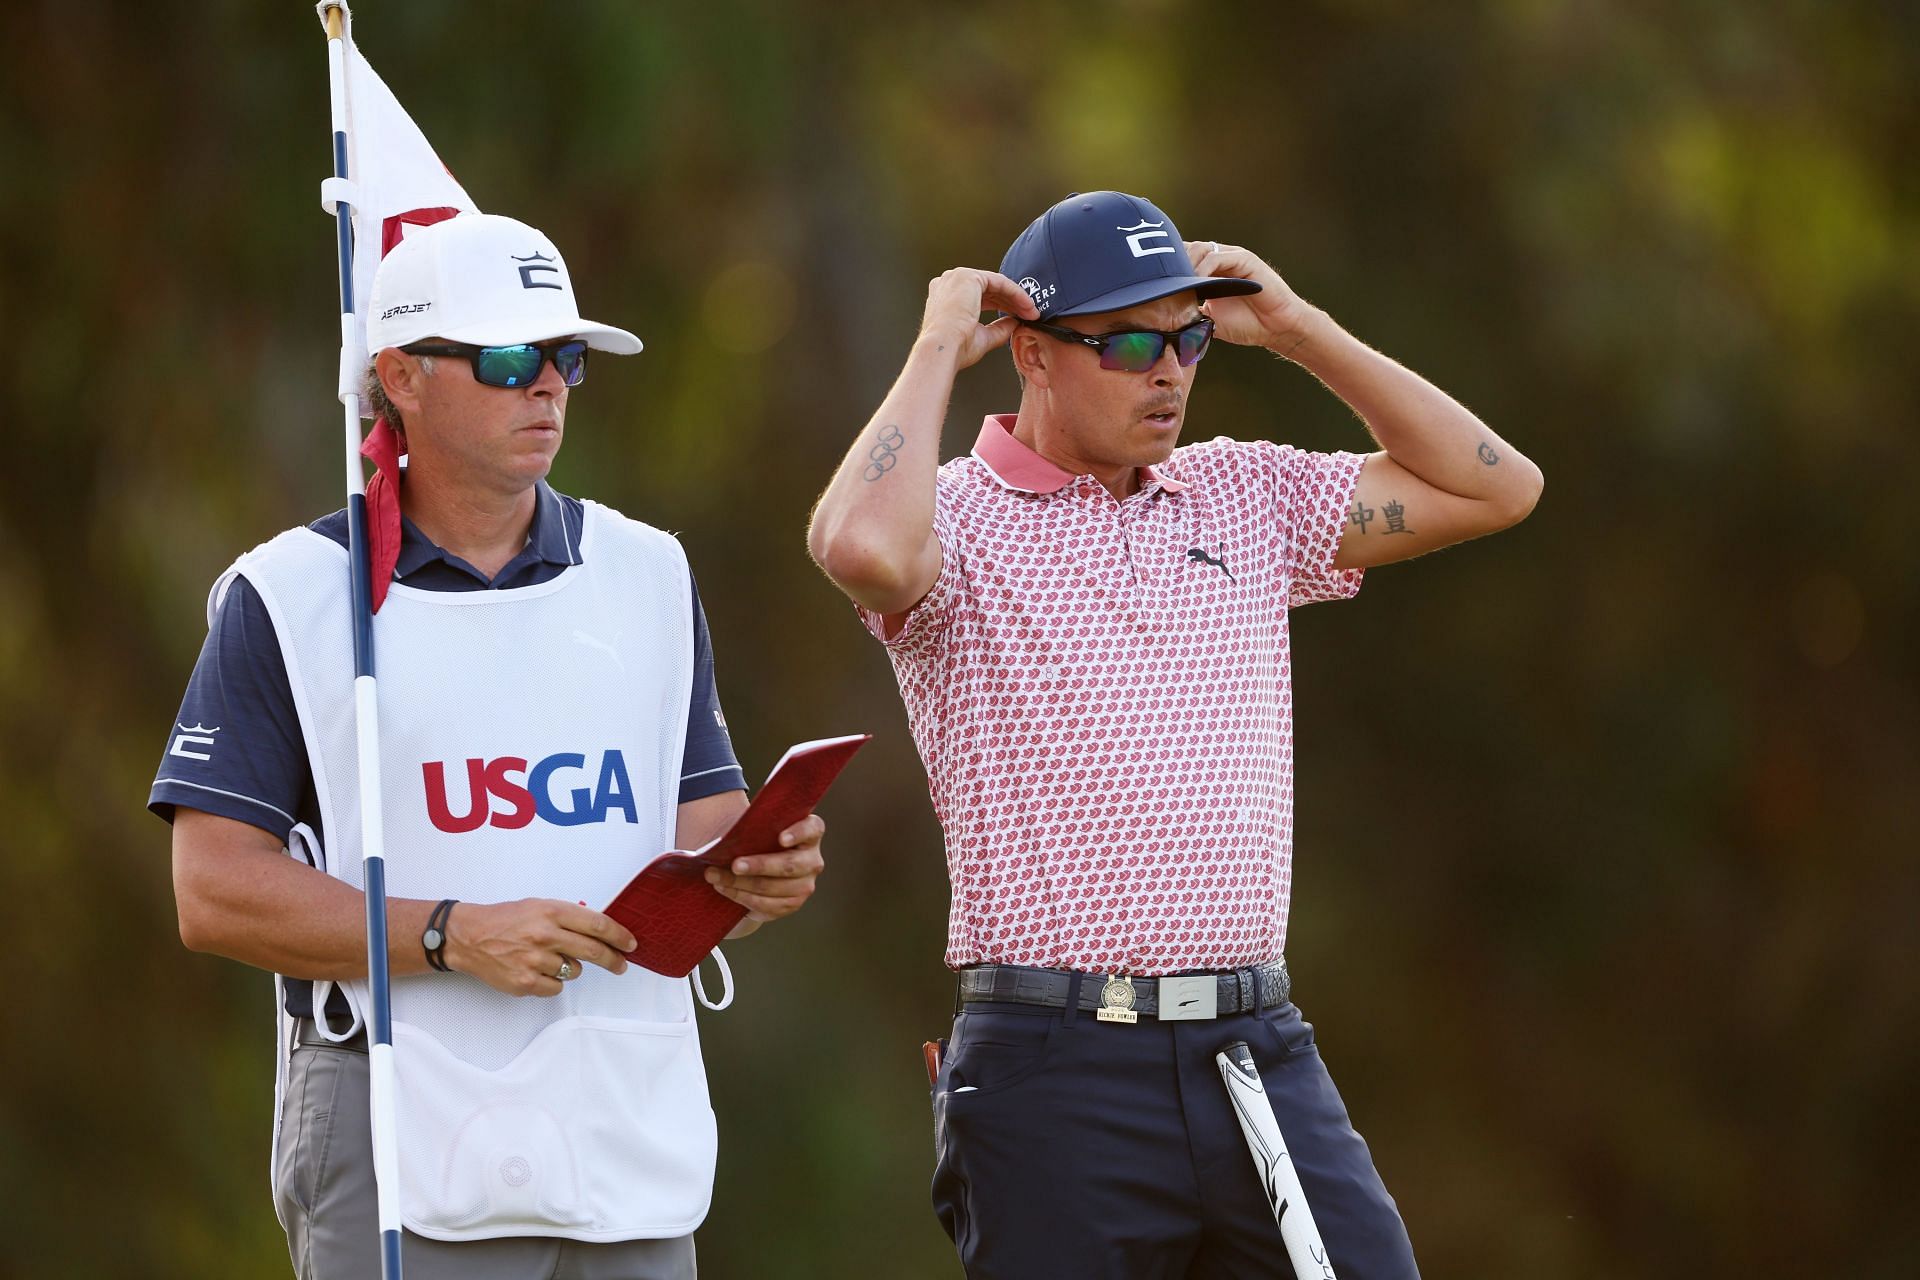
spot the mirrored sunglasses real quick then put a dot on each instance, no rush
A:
(514, 366)
(1138, 350)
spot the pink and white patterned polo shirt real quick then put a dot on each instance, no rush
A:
(1101, 694)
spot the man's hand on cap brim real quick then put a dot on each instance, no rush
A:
(1274, 318)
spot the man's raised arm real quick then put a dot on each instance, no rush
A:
(872, 530)
(1442, 477)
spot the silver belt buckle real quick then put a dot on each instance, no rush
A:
(1189, 999)
(1117, 1000)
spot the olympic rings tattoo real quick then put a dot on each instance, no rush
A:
(883, 457)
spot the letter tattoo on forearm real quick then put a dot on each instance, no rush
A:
(1359, 514)
(1487, 455)
(1396, 514)
(883, 457)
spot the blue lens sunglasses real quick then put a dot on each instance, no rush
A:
(514, 366)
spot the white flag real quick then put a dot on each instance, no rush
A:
(400, 181)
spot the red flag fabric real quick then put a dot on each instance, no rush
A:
(383, 447)
(394, 229)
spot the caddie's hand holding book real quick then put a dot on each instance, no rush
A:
(671, 909)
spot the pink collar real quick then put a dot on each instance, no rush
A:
(1019, 468)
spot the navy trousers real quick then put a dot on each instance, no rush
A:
(1069, 1147)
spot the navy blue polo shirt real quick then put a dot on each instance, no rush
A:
(236, 749)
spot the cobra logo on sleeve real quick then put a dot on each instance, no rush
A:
(560, 789)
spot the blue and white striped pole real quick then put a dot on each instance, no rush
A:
(339, 193)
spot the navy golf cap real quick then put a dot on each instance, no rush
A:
(1104, 250)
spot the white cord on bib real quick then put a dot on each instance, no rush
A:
(304, 843)
(282, 1065)
(726, 979)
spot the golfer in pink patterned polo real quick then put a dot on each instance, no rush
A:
(1088, 623)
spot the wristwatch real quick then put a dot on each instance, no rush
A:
(435, 937)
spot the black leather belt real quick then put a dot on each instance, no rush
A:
(1180, 997)
(304, 1032)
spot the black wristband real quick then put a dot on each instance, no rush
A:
(434, 940)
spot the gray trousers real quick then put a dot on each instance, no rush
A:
(326, 1199)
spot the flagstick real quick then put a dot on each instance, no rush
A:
(386, 1156)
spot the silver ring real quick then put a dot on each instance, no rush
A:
(566, 970)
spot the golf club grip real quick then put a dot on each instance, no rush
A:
(1278, 1179)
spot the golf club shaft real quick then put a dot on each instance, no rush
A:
(1278, 1179)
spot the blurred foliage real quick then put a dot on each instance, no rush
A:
(1607, 877)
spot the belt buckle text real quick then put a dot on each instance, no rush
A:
(1116, 1000)
(1182, 999)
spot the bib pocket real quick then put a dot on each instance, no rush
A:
(601, 1129)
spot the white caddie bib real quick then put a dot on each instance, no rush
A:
(531, 745)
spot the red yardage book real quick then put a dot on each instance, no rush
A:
(671, 909)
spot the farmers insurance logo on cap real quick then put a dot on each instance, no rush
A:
(483, 279)
(1042, 295)
(1104, 251)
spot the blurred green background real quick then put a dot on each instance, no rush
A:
(1607, 887)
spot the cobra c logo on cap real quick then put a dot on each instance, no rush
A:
(534, 260)
(1146, 231)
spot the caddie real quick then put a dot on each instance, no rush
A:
(549, 723)
(1089, 626)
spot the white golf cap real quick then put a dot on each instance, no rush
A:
(481, 279)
